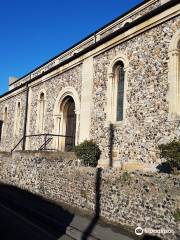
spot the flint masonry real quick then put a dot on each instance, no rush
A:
(120, 87)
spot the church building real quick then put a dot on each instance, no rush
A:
(120, 87)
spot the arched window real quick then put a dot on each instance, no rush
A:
(174, 77)
(116, 88)
(5, 119)
(41, 112)
(119, 90)
(5, 115)
(17, 118)
(1, 125)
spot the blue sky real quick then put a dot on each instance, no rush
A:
(32, 32)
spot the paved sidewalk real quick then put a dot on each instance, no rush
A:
(24, 216)
(88, 228)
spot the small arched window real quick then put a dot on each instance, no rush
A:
(119, 90)
(116, 89)
(5, 115)
(17, 118)
(1, 125)
(5, 119)
(41, 113)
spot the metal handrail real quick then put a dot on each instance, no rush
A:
(43, 146)
(17, 144)
(48, 134)
(39, 135)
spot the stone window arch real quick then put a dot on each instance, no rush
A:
(116, 90)
(17, 118)
(41, 111)
(174, 77)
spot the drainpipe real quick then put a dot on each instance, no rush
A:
(25, 118)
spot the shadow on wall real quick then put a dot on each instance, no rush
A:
(164, 168)
(26, 216)
(111, 138)
(95, 219)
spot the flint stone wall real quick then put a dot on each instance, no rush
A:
(146, 122)
(9, 139)
(135, 199)
(52, 87)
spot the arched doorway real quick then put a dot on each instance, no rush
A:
(67, 125)
(66, 119)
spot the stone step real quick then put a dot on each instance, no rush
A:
(47, 154)
(5, 154)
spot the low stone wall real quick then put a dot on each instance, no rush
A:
(131, 199)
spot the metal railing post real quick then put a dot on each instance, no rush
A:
(45, 141)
